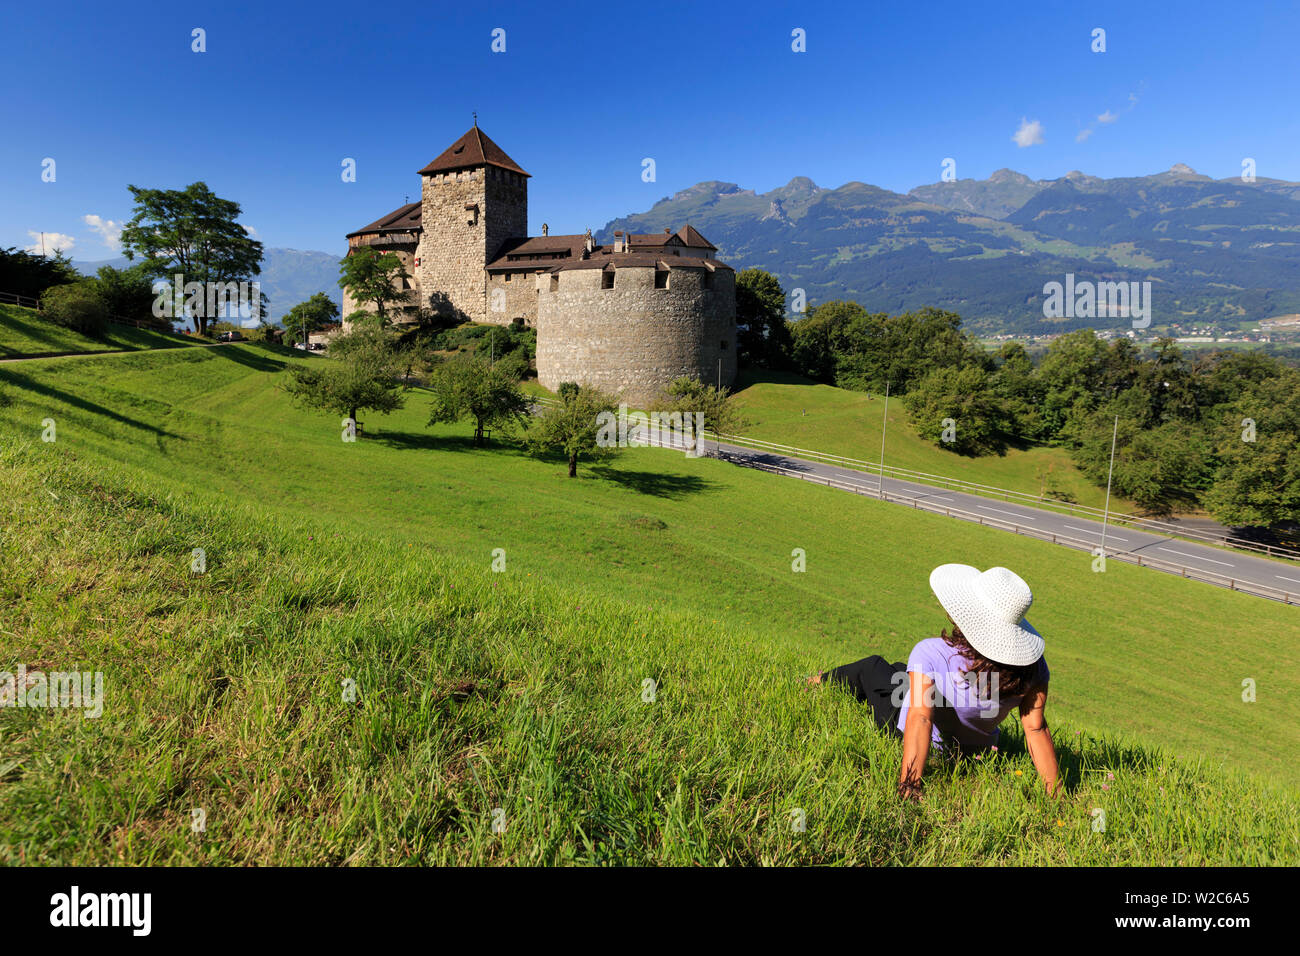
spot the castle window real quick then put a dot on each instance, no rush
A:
(555, 283)
(708, 279)
(607, 279)
(661, 278)
(724, 345)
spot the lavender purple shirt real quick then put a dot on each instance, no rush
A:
(967, 710)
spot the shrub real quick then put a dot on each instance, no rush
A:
(77, 306)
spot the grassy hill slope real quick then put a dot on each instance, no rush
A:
(375, 556)
(486, 698)
(24, 333)
(792, 410)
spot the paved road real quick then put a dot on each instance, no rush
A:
(1235, 566)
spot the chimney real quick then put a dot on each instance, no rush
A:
(588, 245)
(619, 245)
(546, 230)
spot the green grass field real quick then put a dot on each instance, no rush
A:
(24, 333)
(523, 689)
(792, 410)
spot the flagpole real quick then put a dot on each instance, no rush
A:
(1106, 514)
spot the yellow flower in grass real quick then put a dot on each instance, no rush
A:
(1020, 773)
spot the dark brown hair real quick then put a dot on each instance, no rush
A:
(1011, 681)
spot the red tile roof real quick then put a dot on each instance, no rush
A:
(473, 149)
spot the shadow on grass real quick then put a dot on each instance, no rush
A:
(395, 439)
(27, 383)
(249, 358)
(652, 482)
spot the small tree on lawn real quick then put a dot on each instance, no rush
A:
(371, 276)
(688, 396)
(361, 375)
(574, 425)
(468, 387)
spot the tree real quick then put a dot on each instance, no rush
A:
(958, 409)
(191, 232)
(361, 375)
(77, 306)
(573, 426)
(308, 317)
(127, 293)
(372, 276)
(467, 386)
(763, 338)
(687, 396)
(26, 274)
(1257, 440)
(1158, 468)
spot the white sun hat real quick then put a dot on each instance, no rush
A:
(989, 607)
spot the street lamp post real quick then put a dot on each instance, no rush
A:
(884, 422)
(1105, 515)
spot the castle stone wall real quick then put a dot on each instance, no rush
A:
(634, 339)
(515, 298)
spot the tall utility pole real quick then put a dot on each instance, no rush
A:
(1106, 514)
(884, 421)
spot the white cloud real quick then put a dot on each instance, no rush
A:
(1083, 134)
(54, 241)
(1107, 117)
(110, 232)
(250, 230)
(1029, 134)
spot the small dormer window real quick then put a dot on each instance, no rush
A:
(607, 279)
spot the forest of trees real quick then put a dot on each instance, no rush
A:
(1219, 430)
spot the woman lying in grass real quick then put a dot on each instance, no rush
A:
(961, 685)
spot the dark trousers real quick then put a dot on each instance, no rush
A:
(872, 681)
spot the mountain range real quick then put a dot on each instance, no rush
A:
(1225, 252)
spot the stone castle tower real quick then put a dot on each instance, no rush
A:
(628, 318)
(473, 199)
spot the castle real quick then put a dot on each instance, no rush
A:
(627, 318)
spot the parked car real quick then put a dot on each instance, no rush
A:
(230, 337)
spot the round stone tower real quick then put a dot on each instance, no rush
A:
(631, 324)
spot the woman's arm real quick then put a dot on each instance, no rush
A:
(1038, 738)
(916, 734)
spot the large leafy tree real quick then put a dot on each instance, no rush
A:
(308, 317)
(957, 409)
(764, 337)
(194, 233)
(573, 426)
(374, 277)
(127, 293)
(1258, 443)
(362, 374)
(468, 387)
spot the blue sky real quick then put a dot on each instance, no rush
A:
(585, 91)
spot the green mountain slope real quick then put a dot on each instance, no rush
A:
(1214, 251)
